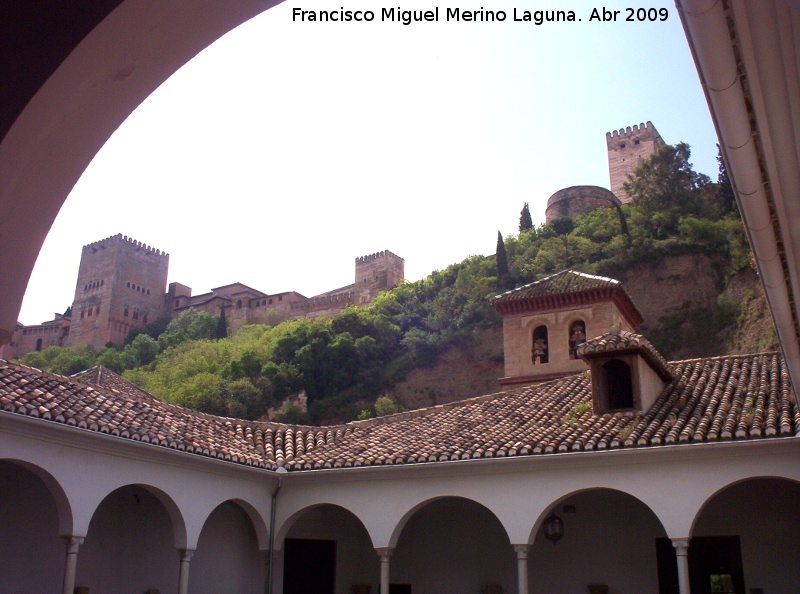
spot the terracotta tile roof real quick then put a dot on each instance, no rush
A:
(732, 398)
(566, 288)
(622, 341)
(566, 281)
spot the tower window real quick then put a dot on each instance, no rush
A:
(239, 304)
(540, 349)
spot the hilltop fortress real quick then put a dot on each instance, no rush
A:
(122, 286)
(122, 283)
(627, 149)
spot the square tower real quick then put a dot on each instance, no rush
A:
(627, 149)
(121, 286)
(376, 273)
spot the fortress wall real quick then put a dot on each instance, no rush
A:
(578, 200)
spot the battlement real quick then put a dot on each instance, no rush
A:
(123, 239)
(641, 131)
(383, 254)
(324, 300)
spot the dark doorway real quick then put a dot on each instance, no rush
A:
(715, 565)
(309, 566)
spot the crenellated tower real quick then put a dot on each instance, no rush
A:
(377, 272)
(627, 149)
(121, 286)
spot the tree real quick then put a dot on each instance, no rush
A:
(665, 187)
(222, 325)
(142, 351)
(525, 221)
(563, 226)
(502, 262)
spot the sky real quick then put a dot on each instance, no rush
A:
(287, 149)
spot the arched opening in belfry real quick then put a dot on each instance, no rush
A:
(540, 351)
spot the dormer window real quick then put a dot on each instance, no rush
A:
(627, 372)
(540, 349)
(617, 383)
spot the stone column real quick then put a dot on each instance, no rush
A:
(183, 573)
(682, 556)
(522, 567)
(71, 565)
(384, 554)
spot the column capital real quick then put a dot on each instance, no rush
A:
(186, 555)
(522, 550)
(73, 543)
(384, 553)
(681, 545)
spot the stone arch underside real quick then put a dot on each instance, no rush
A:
(132, 543)
(356, 562)
(609, 538)
(762, 515)
(34, 514)
(450, 545)
(229, 556)
(68, 119)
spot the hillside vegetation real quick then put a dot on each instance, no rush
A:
(681, 236)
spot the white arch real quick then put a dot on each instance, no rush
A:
(107, 75)
(286, 525)
(401, 523)
(537, 525)
(256, 520)
(177, 522)
(728, 486)
(63, 507)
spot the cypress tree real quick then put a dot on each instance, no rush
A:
(222, 325)
(525, 221)
(502, 262)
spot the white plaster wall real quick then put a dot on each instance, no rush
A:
(227, 558)
(31, 552)
(356, 559)
(650, 384)
(453, 546)
(611, 539)
(764, 514)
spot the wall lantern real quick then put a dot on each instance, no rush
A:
(553, 527)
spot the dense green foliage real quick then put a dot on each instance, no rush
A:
(347, 364)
